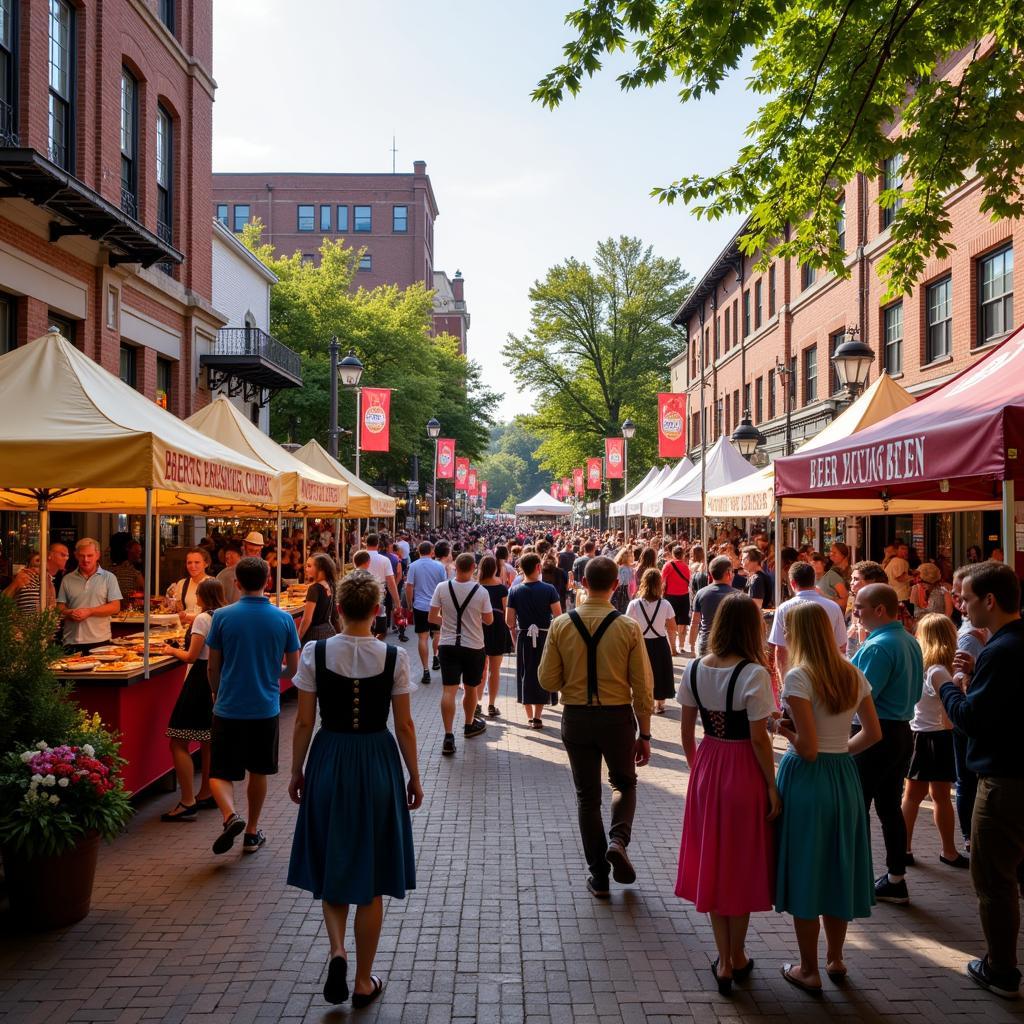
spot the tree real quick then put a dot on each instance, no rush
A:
(597, 351)
(510, 468)
(844, 86)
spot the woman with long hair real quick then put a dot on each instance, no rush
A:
(626, 588)
(698, 569)
(497, 637)
(551, 573)
(727, 854)
(656, 618)
(932, 769)
(824, 850)
(192, 717)
(648, 559)
(319, 615)
(505, 570)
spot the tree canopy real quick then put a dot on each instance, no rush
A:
(597, 351)
(510, 468)
(842, 87)
(389, 328)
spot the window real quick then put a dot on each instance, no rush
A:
(995, 295)
(343, 218)
(746, 313)
(834, 341)
(127, 365)
(113, 303)
(309, 259)
(791, 382)
(63, 324)
(728, 409)
(892, 178)
(306, 216)
(810, 374)
(892, 319)
(808, 275)
(241, 215)
(841, 222)
(707, 345)
(694, 428)
(771, 394)
(736, 406)
(165, 11)
(129, 143)
(728, 333)
(362, 217)
(8, 338)
(366, 261)
(164, 175)
(8, 75)
(325, 218)
(939, 315)
(222, 213)
(757, 304)
(718, 417)
(735, 321)
(400, 219)
(163, 383)
(759, 399)
(746, 398)
(62, 84)
(717, 338)
(771, 291)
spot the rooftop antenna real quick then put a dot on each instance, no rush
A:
(394, 154)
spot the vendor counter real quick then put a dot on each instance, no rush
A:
(139, 708)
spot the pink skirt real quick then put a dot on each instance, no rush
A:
(727, 855)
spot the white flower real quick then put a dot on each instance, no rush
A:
(63, 783)
(55, 799)
(50, 780)
(42, 745)
(27, 756)
(37, 778)
(89, 750)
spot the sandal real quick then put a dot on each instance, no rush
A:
(836, 972)
(336, 986)
(814, 990)
(363, 999)
(187, 812)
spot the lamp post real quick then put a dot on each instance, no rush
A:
(434, 432)
(746, 437)
(350, 369)
(628, 431)
(852, 360)
(784, 371)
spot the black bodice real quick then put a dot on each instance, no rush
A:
(727, 724)
(354, 705)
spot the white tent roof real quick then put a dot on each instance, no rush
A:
(648, 499)
(631, 505)
(542, 504)
(618, 508)
(724, 464)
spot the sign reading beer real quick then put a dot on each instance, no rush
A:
(671, 425)
(614, 457)
(461, 473)
(471, 482)
(593, 474)
(445, 458)
(376, 420)
(577, 481)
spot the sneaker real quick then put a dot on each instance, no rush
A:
(252, 843)
(891, 892)
(448, 747)
(426, 679)
(478, 726)
(492, 711)
(403, 637)
(479, 711)
(622, 867)
(232, 828)
(1006, 985)
(436, 666)
(598, 888)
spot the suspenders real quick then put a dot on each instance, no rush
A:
(592, 641)
(650, 622)
(459, 609)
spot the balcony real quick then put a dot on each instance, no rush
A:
(129, 203)
(8, 126)
(252, 364)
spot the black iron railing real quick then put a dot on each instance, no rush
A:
(251, 341)
(129, 203)
(8, 126)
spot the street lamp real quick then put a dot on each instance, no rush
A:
(852, 360)
(434, 432)
(628, 431)
(746, 437)
(350, 370)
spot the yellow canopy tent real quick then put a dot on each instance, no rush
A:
(364, 501)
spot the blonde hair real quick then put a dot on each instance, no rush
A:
(937, 636)
(811, 646)
(624, 553)
(650, 585)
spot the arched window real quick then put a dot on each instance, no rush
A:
(129, 144)
(164, 175)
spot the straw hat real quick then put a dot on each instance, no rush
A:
(929, 573)
(254, 538)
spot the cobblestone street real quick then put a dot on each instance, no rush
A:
(501, 929)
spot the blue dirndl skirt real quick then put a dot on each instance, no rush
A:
(353, 835)
(824, 847)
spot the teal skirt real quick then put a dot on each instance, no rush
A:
(823, 864)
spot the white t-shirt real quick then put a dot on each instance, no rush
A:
(658, 619)
(190, 604)
(833, 730)
(381, 567)
(201, 627)
(357, 657)
(899, 567)
(778, 636)
(753, 691)
(403, 548)
(928, 715)
(472, 623)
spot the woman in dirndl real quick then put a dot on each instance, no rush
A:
(353, 836)
(497, 638)
(657, 621)
(193, 711)
(319, 616)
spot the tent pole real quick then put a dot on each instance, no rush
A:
(339, 544)
(337, 537)
(148, 533)
(279, 558)
(44, 543)
(1009, 538)
(778, 552)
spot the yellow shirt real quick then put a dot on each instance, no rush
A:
(623, 669)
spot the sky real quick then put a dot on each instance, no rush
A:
(323, 85)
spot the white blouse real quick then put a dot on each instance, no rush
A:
(657, 629)
(833, 730)
(753, 691)
(357, 657)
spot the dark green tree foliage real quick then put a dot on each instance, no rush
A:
(842, 86)
(510, 468)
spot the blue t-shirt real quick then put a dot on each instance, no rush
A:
(253, 637)
(891, 660)
(424, 576)
(532, 603)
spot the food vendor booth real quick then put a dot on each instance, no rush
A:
(74, 437)
(617, 509)
(543, 506)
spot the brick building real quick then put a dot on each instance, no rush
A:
(450, 314)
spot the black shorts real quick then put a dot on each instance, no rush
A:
(933, 759)
(240, 745)
(462, 665)
(423, 625)
(680, 608)
(380, 626)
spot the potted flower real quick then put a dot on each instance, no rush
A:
(60, 789)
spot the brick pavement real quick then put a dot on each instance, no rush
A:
(500, 930)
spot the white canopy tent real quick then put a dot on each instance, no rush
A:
(542, 504)
(618, 508)
(650, 497)
(634, 504)
(723, 465)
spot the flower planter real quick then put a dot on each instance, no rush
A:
(51, 892)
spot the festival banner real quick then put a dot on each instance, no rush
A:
(376, 422)
(593, 474)
(554, 490)
(445, 467)
(471, 486)
(577, 481)
(461, 473)
(483, 493)
(566, 488)
(671, 425)
(614, 457)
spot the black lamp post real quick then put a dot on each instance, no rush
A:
(628, 433)
(746, 437)
(434, 432)
(350, 370)
(852, 360)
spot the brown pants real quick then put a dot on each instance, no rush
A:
(592, 734)
(997, 852)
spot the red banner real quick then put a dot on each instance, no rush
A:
(375, 435)
(671, 425)
(566, 488)
(461, 473)
(593, 474)
(614, 457)
(471, 482)
(577, 481)
(554, 490)
(483, 493)
(445, 468)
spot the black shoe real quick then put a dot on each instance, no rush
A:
(959, 861)
(403, 637)
(479, 711)
(336, 986)
(891, 892)
(622, 868)
(448, 747)
(598, 888)
(181, 812)
(426, 679)
(478, 726)
(359, 1001)
(909, 860)
(1006, 985)
(254, 842)
(744, 972)
(207, 804)
(492, 711)
(233, 827)
(436, 666)
(724, 984)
